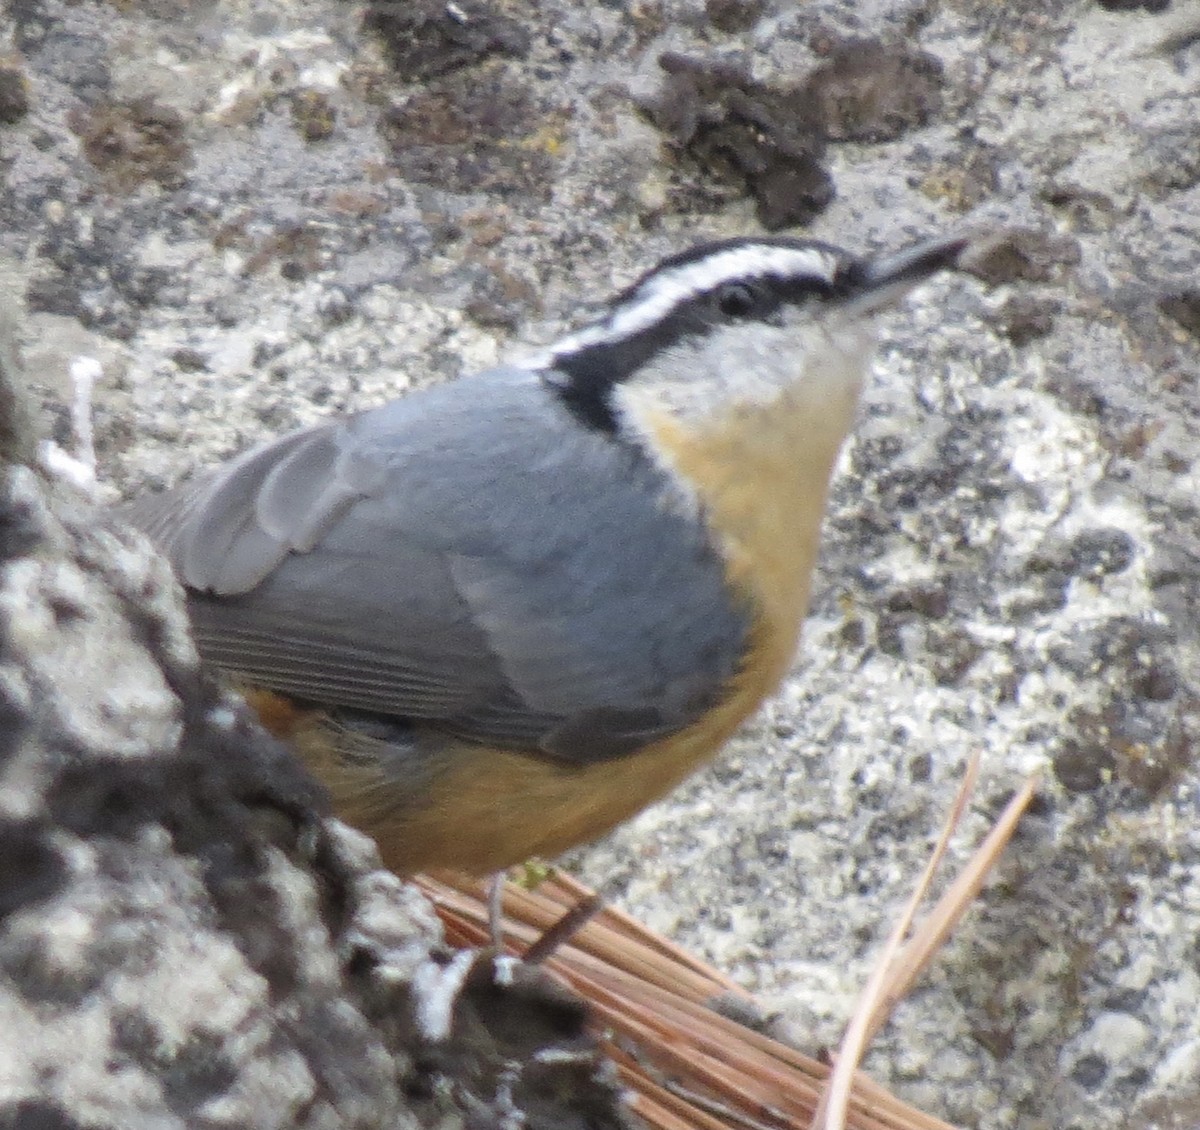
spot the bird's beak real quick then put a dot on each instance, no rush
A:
(872, 284)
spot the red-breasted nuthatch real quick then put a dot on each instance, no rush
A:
(501, 615)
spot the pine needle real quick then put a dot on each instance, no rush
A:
(689, 1066)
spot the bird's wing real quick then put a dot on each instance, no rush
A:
(466, 556)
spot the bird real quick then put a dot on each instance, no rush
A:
(502, 614)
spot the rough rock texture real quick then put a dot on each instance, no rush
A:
(184, 940)
(253, 214)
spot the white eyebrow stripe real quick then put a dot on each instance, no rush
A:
(670, 288)
(666, 289)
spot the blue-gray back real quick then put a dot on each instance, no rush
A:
(468, 556)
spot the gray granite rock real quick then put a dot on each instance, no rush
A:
(186, 940)
(253, 218)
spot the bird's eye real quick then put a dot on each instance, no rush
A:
(736, 300)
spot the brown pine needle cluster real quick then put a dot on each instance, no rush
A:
(687, 1065)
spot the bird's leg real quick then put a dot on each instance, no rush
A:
(496, 909)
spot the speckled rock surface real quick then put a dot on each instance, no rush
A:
(255, 214)
(185, 941)
(162, 944)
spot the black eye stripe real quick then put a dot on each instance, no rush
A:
(737, 300)
(760, 297)
(593, 368)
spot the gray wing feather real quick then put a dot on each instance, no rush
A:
(275, 500)
(467, 556)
